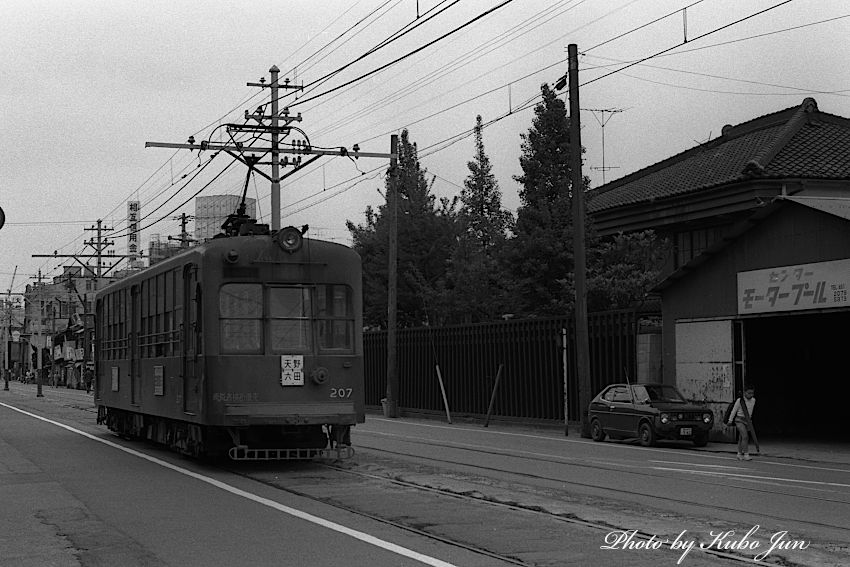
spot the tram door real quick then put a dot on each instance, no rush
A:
(191, 340)
(135, 329)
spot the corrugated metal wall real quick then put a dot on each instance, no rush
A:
(531, 350)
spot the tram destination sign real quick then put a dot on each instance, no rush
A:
(822, 285)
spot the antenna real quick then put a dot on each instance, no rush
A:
(602, 122)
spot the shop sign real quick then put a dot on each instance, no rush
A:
(822, 285)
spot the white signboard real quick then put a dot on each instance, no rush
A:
(132, 232)
(794, 288)
(292, 370)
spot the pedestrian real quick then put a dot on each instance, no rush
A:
(741, 415)
(88, 377)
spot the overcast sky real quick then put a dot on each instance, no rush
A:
(84, 84)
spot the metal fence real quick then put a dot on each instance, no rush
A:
(537, 357)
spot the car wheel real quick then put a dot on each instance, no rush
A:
(701, 440)
(596, 432)
(646, 435)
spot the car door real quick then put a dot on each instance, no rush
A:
(623, 414)
(602, 408)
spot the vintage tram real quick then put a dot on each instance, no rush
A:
(249, 345)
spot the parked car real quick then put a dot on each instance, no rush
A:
(648, 412)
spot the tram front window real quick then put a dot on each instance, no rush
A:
(289, 319)
(241, 312)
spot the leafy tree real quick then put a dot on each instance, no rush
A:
(473, 280)
(426, 234)
(538, 261)
(622, 269)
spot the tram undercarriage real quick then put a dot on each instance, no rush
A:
(243, 443)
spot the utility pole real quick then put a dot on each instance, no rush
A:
(279, 125)
(7, 335)
(391, 403)
(184, 236)
(98, 244)
(582, 342)
(38, 380)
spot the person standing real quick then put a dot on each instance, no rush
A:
(741, 415)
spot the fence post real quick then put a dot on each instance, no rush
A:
(443, 391)
(493, 395)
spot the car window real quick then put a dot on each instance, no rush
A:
(621, 395)
(669, 394)
(641, 395)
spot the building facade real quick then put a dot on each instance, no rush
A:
(755, 290)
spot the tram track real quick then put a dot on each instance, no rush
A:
(470, 497)
(582, 463)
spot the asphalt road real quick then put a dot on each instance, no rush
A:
(417, 492)
(655, 491)
(75, 495)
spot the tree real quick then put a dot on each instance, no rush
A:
(538, 261)
(474, 286)
(426, 234)
(623, 269)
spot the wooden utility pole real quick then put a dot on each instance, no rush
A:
(579, 260)
(391, 402)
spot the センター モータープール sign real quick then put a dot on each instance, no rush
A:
(794, 288)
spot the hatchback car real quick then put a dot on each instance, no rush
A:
(648, 412)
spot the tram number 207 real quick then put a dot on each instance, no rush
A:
(341, 392)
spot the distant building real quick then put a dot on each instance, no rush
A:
(211, 212)
(159, 250)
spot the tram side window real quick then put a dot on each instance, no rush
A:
(241, 312)
(335, 318)
(289, 323)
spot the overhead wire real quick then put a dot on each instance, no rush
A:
(530, 103)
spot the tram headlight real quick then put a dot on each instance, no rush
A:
(289, 239)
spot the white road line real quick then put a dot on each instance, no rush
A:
(698, 465)
(757, 477)
(427, 560)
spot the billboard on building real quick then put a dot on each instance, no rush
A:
(132, 233)
(821, 285)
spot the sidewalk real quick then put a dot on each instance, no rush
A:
(813, 450)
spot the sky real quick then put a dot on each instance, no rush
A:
(85, 84)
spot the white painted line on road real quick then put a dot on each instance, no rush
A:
(758, 477)
(699, 465)
(364, 537)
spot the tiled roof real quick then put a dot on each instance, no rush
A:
(798, 142)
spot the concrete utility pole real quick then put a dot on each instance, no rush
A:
(391, 403)
(582, 342)
(278, 124)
